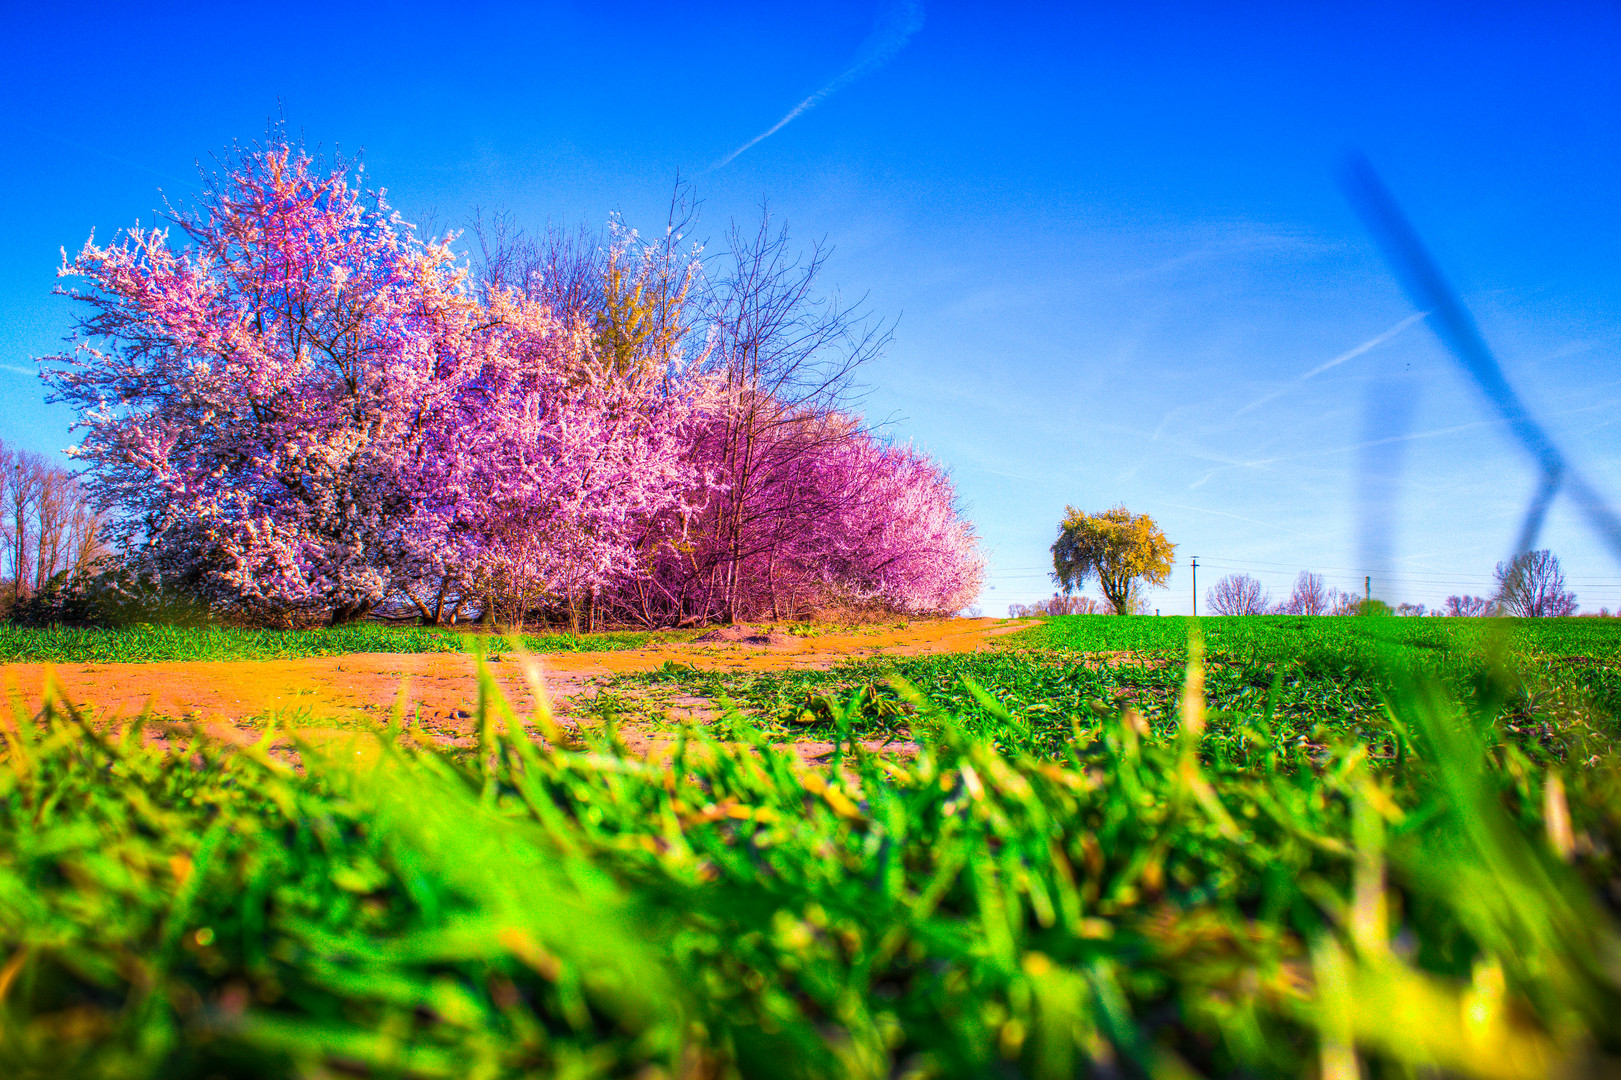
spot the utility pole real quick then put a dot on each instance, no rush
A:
(1196, 584)
(1367, 588)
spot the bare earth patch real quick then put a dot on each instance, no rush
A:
(324, 696)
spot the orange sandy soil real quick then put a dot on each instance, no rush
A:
(323, 696)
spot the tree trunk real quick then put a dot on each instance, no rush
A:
(771, 584)
(433, 616)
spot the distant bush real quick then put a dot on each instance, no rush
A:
(1471, 606)
(1344, 603)
(1059, 605)
(110, 598)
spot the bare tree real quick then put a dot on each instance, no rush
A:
(1238, 594)
(71, 541)
(636, 294)
(52, 508)
(1532, 585)
(1311, 596)
(24, 477)
(786, 355)
(1471, 606)
(563, 268)
(7, 550)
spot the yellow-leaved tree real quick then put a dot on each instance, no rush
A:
(1121, 548)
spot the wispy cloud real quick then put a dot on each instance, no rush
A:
(1350, 354)
(1236, 517)
(1009, 475)
(85, 148)
(1228, 465)
(896, 22)
(1225, 241)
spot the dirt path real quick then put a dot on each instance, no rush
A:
(441, 689)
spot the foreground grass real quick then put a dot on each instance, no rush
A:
(1133, 899)
(155, 644)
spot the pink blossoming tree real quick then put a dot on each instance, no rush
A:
(306, 411)
(248, 403)
(535, 491)
(308, 408)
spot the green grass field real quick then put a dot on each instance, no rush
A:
(1370, 847)
(1334, 640)
(157, 644)
(1554, 685)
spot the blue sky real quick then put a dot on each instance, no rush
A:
(1114, 238)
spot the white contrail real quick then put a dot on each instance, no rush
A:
(897, 21)
(1349, 354)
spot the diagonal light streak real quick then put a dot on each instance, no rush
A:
(1350, 354)
(896, 22)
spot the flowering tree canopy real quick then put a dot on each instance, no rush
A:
(539, 485)
(895, 535)
(248, 403)
(305, 411)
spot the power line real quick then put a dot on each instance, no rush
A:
(1410, 574)
(1245, 564)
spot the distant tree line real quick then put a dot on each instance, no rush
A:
(1241, 594)
(1128, 549)
(1531, 585)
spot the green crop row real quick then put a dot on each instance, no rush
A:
(1130, 900)
(153, 644)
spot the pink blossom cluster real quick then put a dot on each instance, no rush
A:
(830, 519)
(305, 411)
